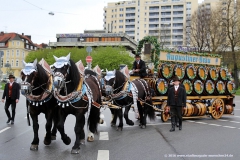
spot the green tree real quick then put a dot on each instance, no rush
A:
(105, 57)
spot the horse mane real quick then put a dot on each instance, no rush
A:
(90, 72)
(40, 79)
(74, 76)
(119, 79)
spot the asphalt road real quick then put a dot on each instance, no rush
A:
(203, 138)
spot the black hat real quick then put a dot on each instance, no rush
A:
(137, 56)
(11, 76)
(175, 79)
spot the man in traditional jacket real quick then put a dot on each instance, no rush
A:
(176, 100)
(11, 93)
(139, 67)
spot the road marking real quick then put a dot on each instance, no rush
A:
(222, 120)
(229, 127)
(190, 121)
(104, 124)
(150, 124)
(237, 116)
(103, 136)
(103, 155)
(214, 124)
(234, 122)
(201, 122)
(5, 129)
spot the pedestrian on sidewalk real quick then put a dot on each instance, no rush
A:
(11, 93)
(176, 100)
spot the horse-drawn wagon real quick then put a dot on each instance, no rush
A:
(209, 87)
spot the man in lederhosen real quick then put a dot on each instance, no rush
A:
(11, 93)
(139, 67)
(176, 100)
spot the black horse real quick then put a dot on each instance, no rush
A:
(124, 94)
(76, 95)
(36, 86)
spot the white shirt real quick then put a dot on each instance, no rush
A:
(176, 87)
(11, 83)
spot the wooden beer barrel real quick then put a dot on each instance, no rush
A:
(209, 87)
(166, 71)
(223, 73)
(188, 110)
(191, 71)
(200, 109)
(220, 87)
(188, 86)
(228, 109)
(213, 73)
(231, 87)
(179, 71)
(162, 86)
(198, 87)
(202, 72)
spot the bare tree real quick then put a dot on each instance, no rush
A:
(232, 23)
(164, 36)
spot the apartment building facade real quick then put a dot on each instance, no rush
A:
(15, 47)
(164, 19)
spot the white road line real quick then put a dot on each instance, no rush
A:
(103, 136)
(201, 122)
(237, 116)
(149, 124)
(5, 129)
(229, 127)
(222, 120)
(214, 124)
(103, 155)
(104, 124)
(234, 121)
(190, 121)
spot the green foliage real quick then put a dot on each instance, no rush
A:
(105, 57)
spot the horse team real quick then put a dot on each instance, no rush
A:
(67, 88)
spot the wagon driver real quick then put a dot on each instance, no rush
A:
(139, 67)
(176, 100)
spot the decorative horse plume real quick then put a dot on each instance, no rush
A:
(45, 65)
(80, 67)
(97, 70)
(125, 71)
(29, 67)
(61, 61)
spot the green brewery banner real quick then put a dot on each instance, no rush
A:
(186, 58)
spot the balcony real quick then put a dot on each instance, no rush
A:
(153, 22)
(177, 39)
(153, 34)
(130, 29)
(178, 9)
(128, 23)
(130, 11)
(130, 17)
(166, 9)
(177, 27)
(177, 15)
(154, 16)
(165, 15)
(177, 33)
(177, 20)
(153, 28)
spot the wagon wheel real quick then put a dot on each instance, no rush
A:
(217, 108)
(166, 112)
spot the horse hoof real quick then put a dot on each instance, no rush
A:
(53, 137)
(75, 151)
(90, 139)
(34, 147)
(113, 124)
(143, 126)
(67, 141)
(119, 128)
(130, 123)
(82, 141)
(47, 141)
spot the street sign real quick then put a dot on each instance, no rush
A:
(88, 59)
(89, 49)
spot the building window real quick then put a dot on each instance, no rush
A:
(17, 53)
(16, 63)
(23, 54)
(145, 8)
(112, 10)
(31, 47)
(188, 8)
(145, 25)
(8, 54)
(7, 61)
(145, 19)
(145, 13)
(12, 53)
(26, 41)
(120, 15)
(115, 27)
(120, 9)
(120, 26)
(27, 46)
(115, 10)
(35, 48)
(12, 63)
(145, 31)
(112, 16)
(115, 15)
(18, 43)
(188, 2)
(12, 43)
(121, 21)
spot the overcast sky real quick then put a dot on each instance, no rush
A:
(70, 16)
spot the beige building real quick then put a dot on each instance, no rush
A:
(164, 19)
(15, 48)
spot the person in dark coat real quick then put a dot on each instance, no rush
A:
(11, 93)
(176, 100)
(139, 67)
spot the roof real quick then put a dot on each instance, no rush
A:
(5, 37)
